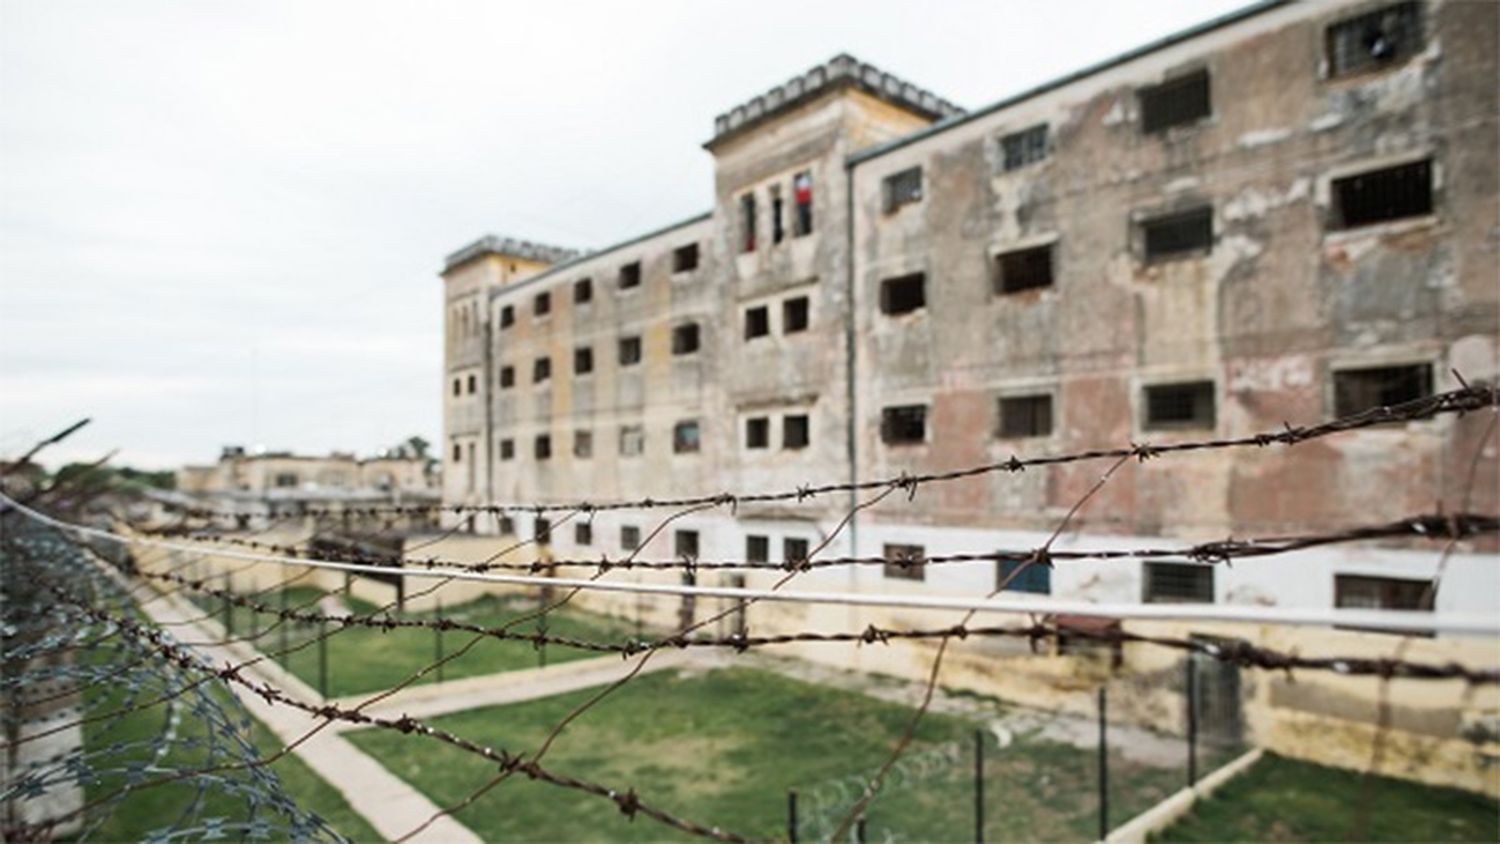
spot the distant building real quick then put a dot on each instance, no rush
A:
(276, 483)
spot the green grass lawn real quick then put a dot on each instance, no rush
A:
(1282, 799)
(112, 750)
(723, 748)
(362, 660)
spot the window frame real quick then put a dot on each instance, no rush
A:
(1001, 430)
(1157, 221)
(679, 443)
(1026, 154)
(1022, 258)
(889, 421)
(763, 324)
(1426, 371)
(1200, 571)
(681, 333)
(1147, 423)
(1331, 50)
(796, 314)
(630, 351)
(1337, 220)
(1155, 97)
(541, 304)
(902, 188)
(583, 291)
(761, 426)
(889, 286)
(680, 256)
(631, 276)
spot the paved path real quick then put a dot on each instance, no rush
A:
(432, 699)
(387, 802)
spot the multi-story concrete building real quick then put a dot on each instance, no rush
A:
(1281, 215)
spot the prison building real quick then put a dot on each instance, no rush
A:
(1278, 216)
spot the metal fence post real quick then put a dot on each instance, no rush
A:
(791, 815)
(979, 786)
(286, 658)
(438, 641)
(1192, 722)
(228, 607)
(254, 612)
(1103, 767)
(541, 645)
(323, 658)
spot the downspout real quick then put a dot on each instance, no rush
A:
(852, 415)
(488, 356)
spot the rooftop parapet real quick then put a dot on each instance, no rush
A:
(495, 245)
(841, 71)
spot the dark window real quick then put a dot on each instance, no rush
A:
(1186, 405)
(630, 351)
(905, 424)
(778, 231)
(583, 534)
(794, 315)
(458, 453)
(757, 549)
(903, 294)
(507, 449)
(802, 191)
(902, 188)
(686, 544)
(1375, 39)
(541, 370)
(507, 377)
(685, 258)
(458, 386)
(747, 223)
(543, 446)
(1356, 591)
(507, 526)
(1358, 390)
(1380, 195)
(583, 444)
(685, 437)
(904, 562)
(583, 360)
(1179, 583)
(794, 550)
(794, 431)
(632, 440)
(1027, 146)
(542, 528)
(1035, 578)
(507, 315)
(758, 432)
(1175, 102)
(685, 339)
(757, 322)
(542, 304)
(583, 290)
(630, 275)
(630, 538)
(1178, 234)
(1023, 269)
(1025, 416)
(473, 384)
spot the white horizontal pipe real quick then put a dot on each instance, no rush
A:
(1391, 620)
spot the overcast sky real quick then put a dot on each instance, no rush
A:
(222, 222)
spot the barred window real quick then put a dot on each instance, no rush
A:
(542, 304)
(1375, 39)
(903, 294)
(1358, 390)
(1179, 583)
(630, 538)
(1026, 416)
(583, 534)
(1178, 234)
(1175, 102)
(583, 444)
(1027, 146)
(758, 432)
(685, 437)
(795, 431)
(904, 424)
(904, 562)
(1023, 269)
(1185, 405)
(902, 188)
(583, 290)
(794, 550)
(1357, 591)
(583, 360)
(630, 275)
(685, 258)
(757, 548)
(1392, 193)
(757, 322)
(632, 440)
(630, 351)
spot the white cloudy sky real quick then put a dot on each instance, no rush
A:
(222, 222)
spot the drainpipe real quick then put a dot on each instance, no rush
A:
(852, 418)
(488, 356)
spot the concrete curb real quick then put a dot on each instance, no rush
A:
(1169, 811)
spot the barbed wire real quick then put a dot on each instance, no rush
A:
(1467, 398)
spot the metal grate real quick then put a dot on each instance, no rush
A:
(904, 424)
(1178, 234)
(1179, 583)
(1380, 195)
(1185, 405)
(1023, 269)
(1375, 39)
(630, 351)
(902, 188)
(1358, 390)
(1026, 416)
(1027, 146)
(1175, 102)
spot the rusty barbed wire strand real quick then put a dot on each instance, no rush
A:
(1463, 400)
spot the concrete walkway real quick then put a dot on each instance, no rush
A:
(433, 699)
(387, 802)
